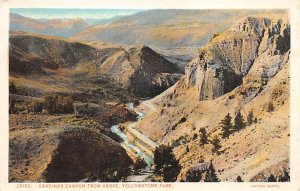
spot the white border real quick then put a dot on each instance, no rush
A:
(292, 5)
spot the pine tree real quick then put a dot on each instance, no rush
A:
(271, 178)
(187, 149)
(284, 177)
(203, 136)
(250, 118)
(226, 126)
(216, 145)
(166, 164)
(239, 122)
(211, 175)
(239, 179)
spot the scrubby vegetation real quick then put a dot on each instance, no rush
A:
(181, 140)
(58, 104)
(52, 104)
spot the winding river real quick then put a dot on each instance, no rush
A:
(126, 143)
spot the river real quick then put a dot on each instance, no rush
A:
(126, 143)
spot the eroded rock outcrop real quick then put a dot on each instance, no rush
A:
(221, 65)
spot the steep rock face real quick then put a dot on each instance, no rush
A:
(142, 70)
(221, 65)
(264, 80)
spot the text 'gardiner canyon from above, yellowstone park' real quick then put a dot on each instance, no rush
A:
(117, 95)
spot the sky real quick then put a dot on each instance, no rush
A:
(38, 13)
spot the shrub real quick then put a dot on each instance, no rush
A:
(270, 107)
(255, 120)
(239, 179)
(195, 136)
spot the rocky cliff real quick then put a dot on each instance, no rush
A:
(222, 64)
(244, 69)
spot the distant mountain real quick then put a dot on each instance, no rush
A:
(53, 27)
(175, 33)
(93, 21)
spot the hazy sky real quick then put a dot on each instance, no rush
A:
(54, 13)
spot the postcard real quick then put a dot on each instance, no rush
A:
(159, 95)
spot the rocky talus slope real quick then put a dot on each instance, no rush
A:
(245, 68)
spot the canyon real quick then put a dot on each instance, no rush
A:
(129, 98)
